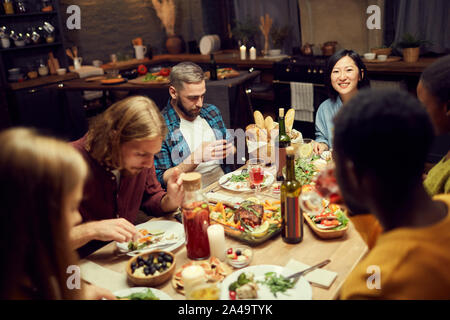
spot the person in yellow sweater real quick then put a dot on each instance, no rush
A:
(410, 259)
(433, 91)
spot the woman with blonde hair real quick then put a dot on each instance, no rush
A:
(119, 148)
(42, 184)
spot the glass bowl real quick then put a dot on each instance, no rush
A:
(239, 256)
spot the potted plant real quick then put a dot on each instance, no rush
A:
(411, 47)
(279, 35)
(244, 31)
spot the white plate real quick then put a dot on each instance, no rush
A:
(169, 227)
(126, 292)
(301, 291)
(243, 185)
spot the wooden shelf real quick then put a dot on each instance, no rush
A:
(42, 81)
(29, 14)
(32, 46)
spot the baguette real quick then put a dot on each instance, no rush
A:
(289, 119)
(259, 119)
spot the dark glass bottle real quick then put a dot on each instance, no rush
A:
(212, 68)
(292, 230)
(283, 142)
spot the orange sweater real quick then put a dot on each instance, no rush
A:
(412, 263)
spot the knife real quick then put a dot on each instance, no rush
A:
(297, 275)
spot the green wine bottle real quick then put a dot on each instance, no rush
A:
(292, 227)
(283, 142)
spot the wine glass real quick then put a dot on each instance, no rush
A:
(256, 173)
(311, 199)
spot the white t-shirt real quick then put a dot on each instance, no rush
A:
(195, 133)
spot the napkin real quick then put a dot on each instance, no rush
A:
(103, 277)
(319, 277)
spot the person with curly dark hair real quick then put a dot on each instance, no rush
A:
(411, 256)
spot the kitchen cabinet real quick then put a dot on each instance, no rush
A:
(51, 111)
(27, 57)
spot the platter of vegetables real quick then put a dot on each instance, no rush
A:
(160, 77)
(251, 222)
(331, 223)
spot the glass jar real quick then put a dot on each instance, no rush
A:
(43, 69)
(46, 6)
(8, 6)
(195, 212)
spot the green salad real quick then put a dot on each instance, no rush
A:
(147, 295)
(277, 283)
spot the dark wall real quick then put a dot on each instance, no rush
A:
(108, 26)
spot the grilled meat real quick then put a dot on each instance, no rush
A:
(249, 214)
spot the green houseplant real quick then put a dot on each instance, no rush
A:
(411, 47)
(244, 31)
(279, 35)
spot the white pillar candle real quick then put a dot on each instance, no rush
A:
(252, 53)
(216, 236)
(243, 50)
(192, 276)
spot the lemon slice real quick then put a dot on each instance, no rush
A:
(305, 150)
(254, 200)
(261, 230)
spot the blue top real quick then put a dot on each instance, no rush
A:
(175, 148)
(324, 120)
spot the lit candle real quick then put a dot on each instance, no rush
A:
(252, 53)
(243, 50)
(192, 276)
(216, 236)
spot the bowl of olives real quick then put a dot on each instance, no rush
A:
(151, 268)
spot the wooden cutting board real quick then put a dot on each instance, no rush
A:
(140, 81)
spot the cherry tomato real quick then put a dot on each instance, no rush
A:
(142, 70)
(241, 228)
(233, 295)
(230, 251)
(164, 72)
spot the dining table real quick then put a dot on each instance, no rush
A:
(345, 253)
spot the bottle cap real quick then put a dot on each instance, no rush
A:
(290, 151)
(192, 181)
(281, 112)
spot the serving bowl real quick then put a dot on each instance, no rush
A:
(382, 57)
(382, 51)
(61, 71)
(151, 268)
(369, 56)
(239, 256)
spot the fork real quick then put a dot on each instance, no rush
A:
(148, 249)
(297, 275)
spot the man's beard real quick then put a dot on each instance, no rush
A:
(186, 112)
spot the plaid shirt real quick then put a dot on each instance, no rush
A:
(175, 148)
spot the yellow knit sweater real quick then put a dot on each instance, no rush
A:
(413, 263)
(438, 179)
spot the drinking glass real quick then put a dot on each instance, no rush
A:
(256, 173)
(305, 149)
(325, 186)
